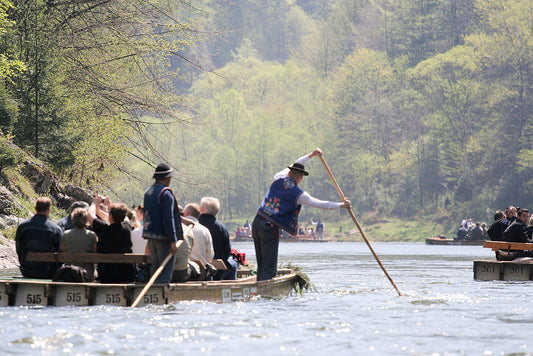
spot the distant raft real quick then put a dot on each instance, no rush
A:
(453, 242)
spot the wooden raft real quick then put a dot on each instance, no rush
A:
(517, 270)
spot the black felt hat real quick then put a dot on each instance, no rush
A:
(163, 170)
(299, 167)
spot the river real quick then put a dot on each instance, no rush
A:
(352, 310)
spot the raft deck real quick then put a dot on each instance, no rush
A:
(37, 292)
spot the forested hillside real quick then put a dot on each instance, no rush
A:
(423, 108)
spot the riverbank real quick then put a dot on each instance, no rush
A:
(8, 253)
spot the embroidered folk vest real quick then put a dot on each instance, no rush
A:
(280, 205)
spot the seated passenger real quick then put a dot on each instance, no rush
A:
(462, 233)
(209, 208)
(137, 241)
(182, 271)
(517, 232)
(476, 233)
(510, 216)
(80, 240)
(38, 234)
(113, 237)
(202, 250)
(66, 222)
(495, 230)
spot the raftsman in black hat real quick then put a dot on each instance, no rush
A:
(299, 167)
(163, 170)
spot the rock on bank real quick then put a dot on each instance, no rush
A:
(14, 192)
(8, 254)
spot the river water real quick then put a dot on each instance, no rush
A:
(352, 310)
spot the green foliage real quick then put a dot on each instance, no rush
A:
(420, 106)
(10, 155)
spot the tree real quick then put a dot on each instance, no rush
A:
(109, 58)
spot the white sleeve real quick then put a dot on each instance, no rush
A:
(307, 199)
(285, 172)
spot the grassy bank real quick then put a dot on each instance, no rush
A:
(385, 230)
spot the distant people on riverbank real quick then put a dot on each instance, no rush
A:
(320, 230)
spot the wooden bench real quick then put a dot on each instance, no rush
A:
(68, 257)
(508, 246)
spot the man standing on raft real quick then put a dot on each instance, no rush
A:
(279, 210)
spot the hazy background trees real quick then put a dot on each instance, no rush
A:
(423, 108)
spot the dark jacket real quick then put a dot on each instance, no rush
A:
(495, 231)
(220, 235)
(516, 232)
(114, 238)
(38, 234)
(507, 222)
(476, 233)
(65, 223)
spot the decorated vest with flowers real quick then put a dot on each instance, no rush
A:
(280, 205)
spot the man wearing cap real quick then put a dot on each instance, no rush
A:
(65, 223)
(162, 222)
(279, 210)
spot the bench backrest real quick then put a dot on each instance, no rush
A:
(68, 257)
(503, 245)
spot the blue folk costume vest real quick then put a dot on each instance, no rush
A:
(153, 228)
(280, 205)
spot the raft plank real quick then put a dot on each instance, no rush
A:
(503, 245)
(112, 295)
(71, 294)
(31, 294)
(68, 257)
(487, 270)
(155, 295)
(490, 270)
(4, 295)
(516, 271)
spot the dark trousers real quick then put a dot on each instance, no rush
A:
(266, 242)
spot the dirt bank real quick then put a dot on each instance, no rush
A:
(8, 254)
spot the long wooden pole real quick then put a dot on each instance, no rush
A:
(155, 275)
(357, 224)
